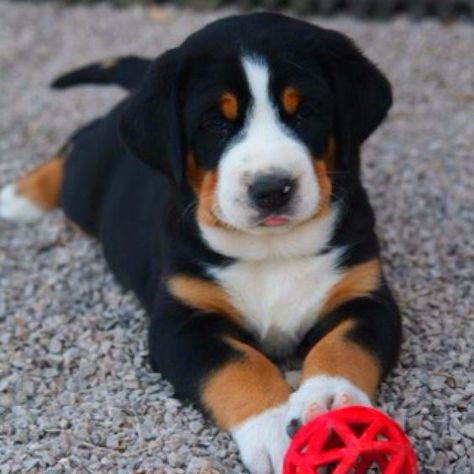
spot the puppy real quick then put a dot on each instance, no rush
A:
(225, 191)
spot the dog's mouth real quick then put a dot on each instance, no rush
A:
(268, 223)
(274, 220)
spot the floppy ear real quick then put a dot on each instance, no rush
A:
(150, 125)
(363, 93)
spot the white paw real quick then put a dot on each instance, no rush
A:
(16, 208)
(262, 441)
(318, 395)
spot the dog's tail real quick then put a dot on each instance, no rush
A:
(126, 72)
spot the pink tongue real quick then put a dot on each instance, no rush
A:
(274, 220)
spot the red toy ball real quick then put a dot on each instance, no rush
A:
(350, 440)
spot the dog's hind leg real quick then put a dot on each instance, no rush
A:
(34, 194)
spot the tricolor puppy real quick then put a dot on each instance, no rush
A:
(225, 191)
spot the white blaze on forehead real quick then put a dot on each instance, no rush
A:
(269, 143)
(262, 117)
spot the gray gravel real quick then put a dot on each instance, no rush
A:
(76, 393)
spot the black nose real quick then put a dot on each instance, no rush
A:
(272, 191)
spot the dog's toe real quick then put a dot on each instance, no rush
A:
(262, 441)
(318, 395)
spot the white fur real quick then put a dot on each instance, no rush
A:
(292, 378)
(321, 393)
(265, 145)
(279, 299)
(16, 208)
(262, 441)
(301, 240)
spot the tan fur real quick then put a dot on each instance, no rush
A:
(325, 187)
(329, 156)
(42, 185)
(203, 183)
(205, 213)
(243, 387)
(228, 106)
(290, 99)
(194, 174)
(337, 355)
(203, 295)
(359, 280)
(108, 63)
(321, 166)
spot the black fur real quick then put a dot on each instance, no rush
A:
(126, 72)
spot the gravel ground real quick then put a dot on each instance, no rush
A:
(76, 392)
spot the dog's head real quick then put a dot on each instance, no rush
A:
(255, 114)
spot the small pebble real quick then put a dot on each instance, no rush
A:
(468, 430)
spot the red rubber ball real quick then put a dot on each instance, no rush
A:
(351, 440)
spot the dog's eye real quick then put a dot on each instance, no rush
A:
(305, 110)
(213, 121)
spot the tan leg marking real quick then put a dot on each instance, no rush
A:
(43, 185)
(243, 387)
(228, 106)
(203, 295)
(337, 355)
(359, 280)
(290, 99)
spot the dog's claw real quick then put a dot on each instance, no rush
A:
(293, 426)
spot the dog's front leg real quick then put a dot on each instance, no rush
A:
(212, 361)
(346, 364)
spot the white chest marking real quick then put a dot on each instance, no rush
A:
(279, 299)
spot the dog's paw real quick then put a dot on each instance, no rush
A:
(262, 441)
(318, 395)
(16, 208)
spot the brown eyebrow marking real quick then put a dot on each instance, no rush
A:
(228, 105)
(290, 99)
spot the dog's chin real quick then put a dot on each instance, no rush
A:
(265, 230)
